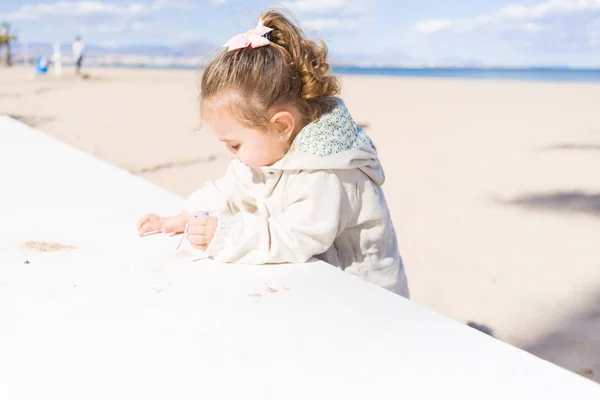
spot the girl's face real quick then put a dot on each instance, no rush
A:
(253, 147)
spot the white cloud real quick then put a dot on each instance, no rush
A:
(185, 5)
(530, 27)
(546, 9)
(105, 28)
(218, 1)
(75, 9)
(433, 25)
(314, 6)
(559, 7)
(594, 33)
(93, 8)
(324, 7)
(544, 31)
(512, 17)
(117, 27)
(332, 24)
(329, 15)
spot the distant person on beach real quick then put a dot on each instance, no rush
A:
(304, 180)
(78, 47)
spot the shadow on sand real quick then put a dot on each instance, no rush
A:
(559, 201)
(33, 121)
(574, 344)
(571, 146)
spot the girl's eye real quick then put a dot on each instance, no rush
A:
(235, 146)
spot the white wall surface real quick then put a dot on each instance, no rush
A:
(122, 317)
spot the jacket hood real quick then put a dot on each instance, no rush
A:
(333, 142)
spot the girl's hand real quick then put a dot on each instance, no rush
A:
(201, 231)
(148, 223)
(153, 222)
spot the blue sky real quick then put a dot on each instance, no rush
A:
(519, 32)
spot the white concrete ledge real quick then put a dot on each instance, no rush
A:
(90, 311)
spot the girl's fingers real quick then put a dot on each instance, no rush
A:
(146, 228)
(150, 225)
(141, 222)
(202, 247)
(196, 229)
(197, 240)
(198, 221)
(145, 219)
(203, 221)
(142, 228)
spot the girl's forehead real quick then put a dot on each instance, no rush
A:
(218, 115)
(216, 110)
(222, 102)
(220, 109)
(224, 125)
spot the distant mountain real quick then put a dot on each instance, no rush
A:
(470, 62)
(196, 48)
(188, 49)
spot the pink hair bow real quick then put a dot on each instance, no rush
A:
(253, 38)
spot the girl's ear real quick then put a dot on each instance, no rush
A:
(284, 125)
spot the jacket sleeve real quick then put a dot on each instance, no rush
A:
(308, 226)
(227, 195)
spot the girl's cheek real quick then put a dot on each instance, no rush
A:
(241, 155)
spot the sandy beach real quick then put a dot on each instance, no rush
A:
(494, 186)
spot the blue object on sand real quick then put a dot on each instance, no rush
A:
(41, 65)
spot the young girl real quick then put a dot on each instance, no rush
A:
(305, 180)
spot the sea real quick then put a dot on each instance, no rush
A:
(539, 74)
(515, 74)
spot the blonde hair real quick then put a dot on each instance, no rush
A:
(291, 70)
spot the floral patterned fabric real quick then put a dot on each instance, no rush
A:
(333, 133)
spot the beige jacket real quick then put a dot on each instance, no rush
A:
(323, 199)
